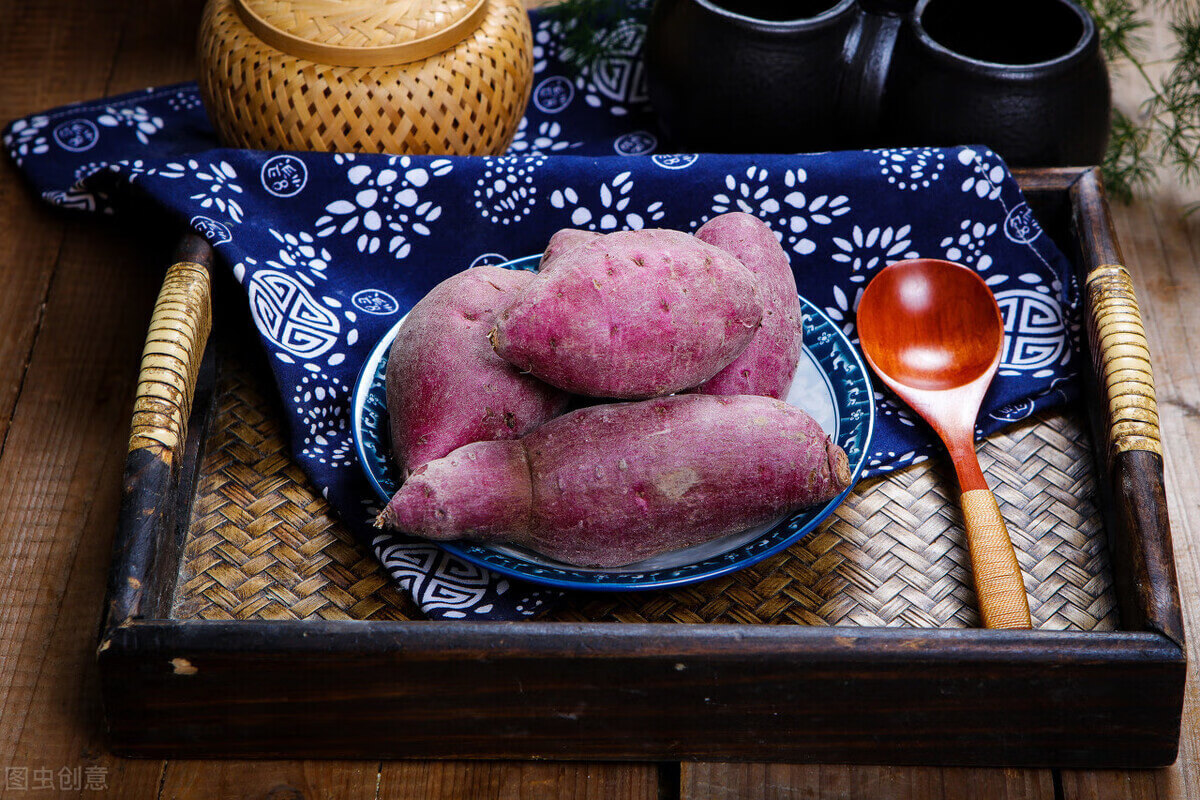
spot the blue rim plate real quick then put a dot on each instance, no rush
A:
(831, 384)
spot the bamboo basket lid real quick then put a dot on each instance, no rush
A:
(361, 33)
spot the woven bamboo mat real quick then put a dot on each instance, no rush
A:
(263, 544)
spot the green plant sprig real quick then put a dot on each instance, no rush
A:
(1165, 128)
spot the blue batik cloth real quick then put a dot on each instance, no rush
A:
(332, 249)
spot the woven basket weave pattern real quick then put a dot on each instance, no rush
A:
(359, 23)
(467, 100)
(264, 545)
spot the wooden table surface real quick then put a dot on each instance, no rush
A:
(75, 299)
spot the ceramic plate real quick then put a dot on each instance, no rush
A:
(831, 384)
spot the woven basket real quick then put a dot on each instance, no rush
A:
(444, 77)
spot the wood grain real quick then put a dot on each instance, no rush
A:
(67, 321)
(1160, 246)
(792, 782)
(42, 41)
(520, 781)
(276, 780)
(59, 508)
(58, 474)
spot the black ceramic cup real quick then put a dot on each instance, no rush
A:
(1025, 77)
(748, 75)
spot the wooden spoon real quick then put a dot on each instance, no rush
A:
(933, 332)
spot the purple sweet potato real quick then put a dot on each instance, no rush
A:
(613, 484)
(446, 387)
(633, 314)
(768, 364)
(563, 242)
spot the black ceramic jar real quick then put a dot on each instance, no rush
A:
(748, 75)
(1025, 77)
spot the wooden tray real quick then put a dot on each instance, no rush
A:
(242, 621)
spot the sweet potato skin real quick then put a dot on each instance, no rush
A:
(632, 314)
(768, 363)
(612, 484)
(446, 387)
(563, 242)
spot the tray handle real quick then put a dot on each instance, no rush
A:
(171, 362)
(1122, 361)
(179, 329)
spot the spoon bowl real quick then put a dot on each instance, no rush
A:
(943, 327)
(934, 334)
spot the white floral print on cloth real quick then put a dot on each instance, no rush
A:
(332, 249)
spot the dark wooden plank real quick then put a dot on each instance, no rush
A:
(70, 427)
(1168, 285)
(59, 476)
(596, 691)
(254, 780)
(52, 53)
(66, 404)
(1162, 250)
(793, 782)
(493, 780)
(1121, 785)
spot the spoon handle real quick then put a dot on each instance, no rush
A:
(998, 583)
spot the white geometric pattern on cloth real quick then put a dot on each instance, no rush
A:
(438, 581)
(288, 316)
(553, 94)
(185, 100)
(300, 256)
(635, 143)
(675, 160)
(302, 325)
(79, 200)
(546, 44)
(76, 135)
(753, 193)
(375, 301)
(1035, 332)
(844, 309)
(619, 78)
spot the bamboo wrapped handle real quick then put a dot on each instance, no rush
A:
(998, 583)
(1122, 361)
(179, 329)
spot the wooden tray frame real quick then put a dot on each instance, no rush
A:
(563, 690)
